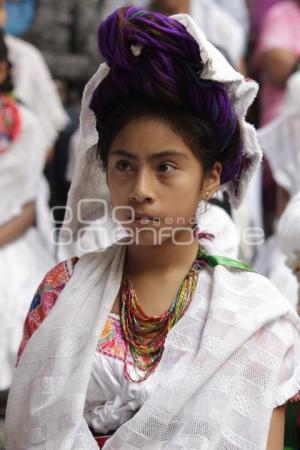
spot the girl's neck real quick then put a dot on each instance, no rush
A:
(160, 258)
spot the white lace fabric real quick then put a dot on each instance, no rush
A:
(227, 363)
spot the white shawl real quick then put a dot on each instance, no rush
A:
(227, 363)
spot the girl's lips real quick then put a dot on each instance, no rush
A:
(140, 217)
(144, 220)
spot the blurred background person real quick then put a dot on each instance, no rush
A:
(25, 247)
(238, 9)
(62, 31)
(280, 140)
(288, 233)
(289, 239)
(276, 58)
(277, 55)
(33, 84)
(221, 29)
(257, 10)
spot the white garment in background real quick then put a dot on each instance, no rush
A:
(21, 166)
(281, 275)
(239, 11)
(221, 29)
(271, 262)
(292, 95)
(289, 226)
(282, 248)
(35, 88)
(73, 154)
(248, 219)
(280, 140)
(23, 264)
(24, 261)
(288, 236)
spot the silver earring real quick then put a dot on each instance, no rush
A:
(206, 200)
(202, 207)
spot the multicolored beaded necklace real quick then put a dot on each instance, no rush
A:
(145, 336)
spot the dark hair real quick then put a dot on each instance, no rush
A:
(163, 79)
(198, 134)
(7, 85)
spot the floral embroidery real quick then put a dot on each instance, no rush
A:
(111, 342)
(45, 298)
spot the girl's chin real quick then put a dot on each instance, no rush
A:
(156, 236)
(147, 238)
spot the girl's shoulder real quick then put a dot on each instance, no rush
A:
(254, 311)
(247, 291)
(45, 297)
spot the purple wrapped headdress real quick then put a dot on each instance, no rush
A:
(153, 56)
(170, 61)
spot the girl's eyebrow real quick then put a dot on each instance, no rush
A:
(164, 154)
(120, 152)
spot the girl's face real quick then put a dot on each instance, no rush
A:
(156, 182)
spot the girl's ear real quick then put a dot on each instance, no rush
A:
(212, 181)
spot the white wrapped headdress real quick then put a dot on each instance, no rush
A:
(90, 183)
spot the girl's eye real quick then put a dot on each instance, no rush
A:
(123, 166)
(166, 168)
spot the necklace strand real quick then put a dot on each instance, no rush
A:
(145, 336)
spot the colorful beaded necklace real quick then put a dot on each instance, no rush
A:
(145, 336)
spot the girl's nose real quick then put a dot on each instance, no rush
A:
(142, 190)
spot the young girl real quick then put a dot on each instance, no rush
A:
(156, 342)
